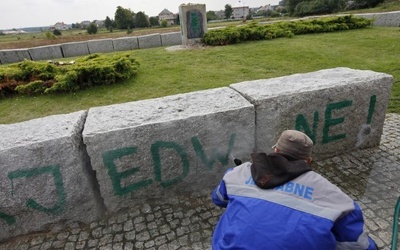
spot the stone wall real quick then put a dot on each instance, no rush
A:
(74, 49)
(75, 167)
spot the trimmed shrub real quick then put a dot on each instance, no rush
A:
(254, 31)
(33, 78)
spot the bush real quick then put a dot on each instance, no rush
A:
(253, 31)
(32, 78)
(92, 29)
(57, 32)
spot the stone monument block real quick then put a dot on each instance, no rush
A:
(125, 43)
(149, 41)
(14, 55)
(193, 21)
(341, 109)
(46, 52)
(100, 46)
(75, 49)
(181, 143)
(45, 177)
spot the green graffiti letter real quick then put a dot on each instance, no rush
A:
(371, 110)
(329, 121)
(8, 218)
(302, 125)
(61, 195)
(108, 160)
(155, 152)
(224, 159)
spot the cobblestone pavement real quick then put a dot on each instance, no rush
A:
(371, 177)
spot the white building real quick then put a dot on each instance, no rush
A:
(240, 10)
(168, 16)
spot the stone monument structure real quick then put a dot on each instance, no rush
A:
(193, 23)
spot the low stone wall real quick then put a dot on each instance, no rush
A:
(391, 19)
(388, 19)
(72, 168)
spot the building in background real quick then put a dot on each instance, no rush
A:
(168, 16)
(240, 10)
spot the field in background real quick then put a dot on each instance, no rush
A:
(40, 39)
(163, 72)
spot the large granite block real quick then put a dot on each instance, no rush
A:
(75, 49)
(45, 179)
(149, 41)
(14, 55)
(100, 46)
(178, 143)
(173, 38)
(125, 43)
(341, 109)
(46, 52)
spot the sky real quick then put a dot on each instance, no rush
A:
(35, 13)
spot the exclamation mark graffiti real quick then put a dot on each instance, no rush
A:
(366, 129)
(371, 110)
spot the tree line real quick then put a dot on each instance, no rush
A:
(300, 8)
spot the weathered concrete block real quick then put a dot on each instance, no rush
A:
(341, 109)
(100, 46)
(44, 175)
(46, 52)
(75, 49)
(173, 38)
(149, 41)
(148, 148)
(14, 55)
(125, 43)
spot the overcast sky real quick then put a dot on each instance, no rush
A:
(34, 13)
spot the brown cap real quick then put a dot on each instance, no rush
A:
(295, 143)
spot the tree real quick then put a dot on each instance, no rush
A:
(154, 21)
(164, 23)
(57, 32)
(228, 11)
(211, 15)
(108, 23)
(92, 28)
(123, 18)
(141, 20)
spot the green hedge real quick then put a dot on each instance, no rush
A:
(31, 78)
(254, 31)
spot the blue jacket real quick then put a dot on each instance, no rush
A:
(301, 210)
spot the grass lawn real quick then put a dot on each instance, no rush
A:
(164, 72)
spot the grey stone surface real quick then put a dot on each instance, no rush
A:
(149, 41)
(46, 52)
(75, 49)
(100, 46)
(44, 182)
(158, 146)
(341, 109)
(173, 38)
(14, 55)
(388, 19)
(369, 176)
(125, 43)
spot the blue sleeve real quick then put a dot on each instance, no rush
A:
(349, 232)
(220, 195)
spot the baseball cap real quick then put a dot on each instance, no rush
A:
(295, 143)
